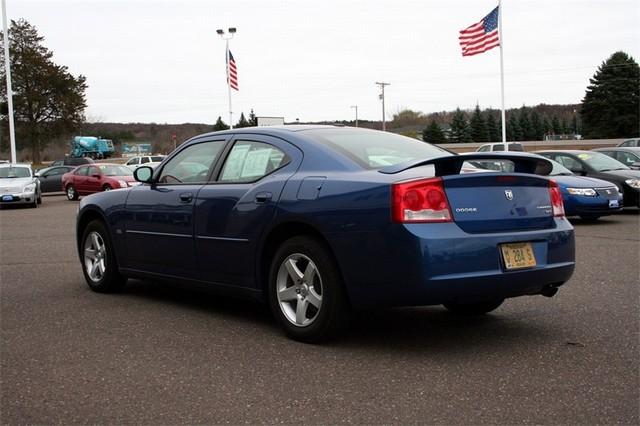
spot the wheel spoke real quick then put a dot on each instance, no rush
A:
(293, 270)
(309, 273)
(314, 298)
(90, 253)
(94, 241)
(94, 268)
(287, 294)
(301, 311)
(101, 267)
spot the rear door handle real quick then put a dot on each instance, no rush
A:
(186, 197)
(263, 197)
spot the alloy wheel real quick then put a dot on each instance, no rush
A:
(95, 256)
(299, 289)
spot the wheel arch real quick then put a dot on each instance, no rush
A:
(279, 234)
(84, 218)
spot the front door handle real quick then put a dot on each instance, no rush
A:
(186, 197)
(263, 197)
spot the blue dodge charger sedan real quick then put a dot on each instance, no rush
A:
(320, 220)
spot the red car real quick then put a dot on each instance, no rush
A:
(89, 179)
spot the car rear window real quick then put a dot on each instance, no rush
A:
(373, 149)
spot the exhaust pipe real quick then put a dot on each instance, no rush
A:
(549, 291)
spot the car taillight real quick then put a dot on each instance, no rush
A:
(422, 200)
(556, 199)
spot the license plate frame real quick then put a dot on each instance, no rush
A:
(518, 255)
(7, 198)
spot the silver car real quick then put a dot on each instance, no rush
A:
(18, 185)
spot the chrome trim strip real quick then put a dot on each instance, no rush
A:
(237, 240)
(164, 234)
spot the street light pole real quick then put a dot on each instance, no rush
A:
(7, 68)
(384, 122)
(356, 107)
(226, 37)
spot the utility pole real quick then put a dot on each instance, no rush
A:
(356, 107)
(384, 122)
(7, 69)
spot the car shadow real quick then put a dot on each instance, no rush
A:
(416, 329)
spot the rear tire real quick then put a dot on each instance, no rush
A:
(306, 293)
(472, 309)
(106, 188)
(99, 264)
(72, 194)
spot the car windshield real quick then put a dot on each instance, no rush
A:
(372, 149)
(559, 169)
(14, 172)
(114, 170)
(601, 162)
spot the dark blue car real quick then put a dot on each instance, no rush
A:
(584, 196)
(319, 220)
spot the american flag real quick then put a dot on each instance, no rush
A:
(481, 36)
(232, 76)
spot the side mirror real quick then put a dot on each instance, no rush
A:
(143, 174)
(635, 166)
(37, 174)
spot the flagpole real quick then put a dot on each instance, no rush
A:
(504, 123)
(7, 67)
(229, 87)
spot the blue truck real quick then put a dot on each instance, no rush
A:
(92, 147)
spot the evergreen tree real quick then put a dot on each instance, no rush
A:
(514, 133)
(546, 126)
(556, 127)
(433, 133)
(460, 131)
(612, 100)
(565, 127)
(48, 101)
(537, 129)
(242, 122)
(526, 131)
(478, 126)
(253, 120)
(493, 130)
(220, 125)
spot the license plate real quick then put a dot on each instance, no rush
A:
(518, 255)
(613, 204)
(7, 198)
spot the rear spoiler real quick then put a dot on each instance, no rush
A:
(452, 164)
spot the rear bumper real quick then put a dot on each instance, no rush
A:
(429, 264)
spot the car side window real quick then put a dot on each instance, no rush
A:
(144, 160)
(133, 161)
(498, 147)
(94, 171)
(81, 171)
(249, 161)
(54, 172)
(484, 148)
(626, 158)
(192, 164)
(569, 163)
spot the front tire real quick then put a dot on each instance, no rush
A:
(72, 194)
(473, 309)
(106, 188)
(306, 292)
(99, 264)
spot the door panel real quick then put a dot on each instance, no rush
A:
(231, 213)
(159, 224)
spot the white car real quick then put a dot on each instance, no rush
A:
(18, 185)
(491, 147)
(145, 160)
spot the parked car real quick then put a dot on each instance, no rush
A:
(629, 156)
(51, 177)
(491, 147)
(18, 185)
(631, 142)
(147, 160)
(307, 219)
(72, 161)
(85, 180)
(597, 165)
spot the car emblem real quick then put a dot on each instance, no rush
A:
(509, 194)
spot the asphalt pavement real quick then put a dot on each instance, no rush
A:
(161, 354)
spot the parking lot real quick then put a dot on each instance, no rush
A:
(160, 354)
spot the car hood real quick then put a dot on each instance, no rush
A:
(581, 182)
(15, 182)
(625, 174)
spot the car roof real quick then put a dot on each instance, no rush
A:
(620, 148)
(274, 130)
(566, 151)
